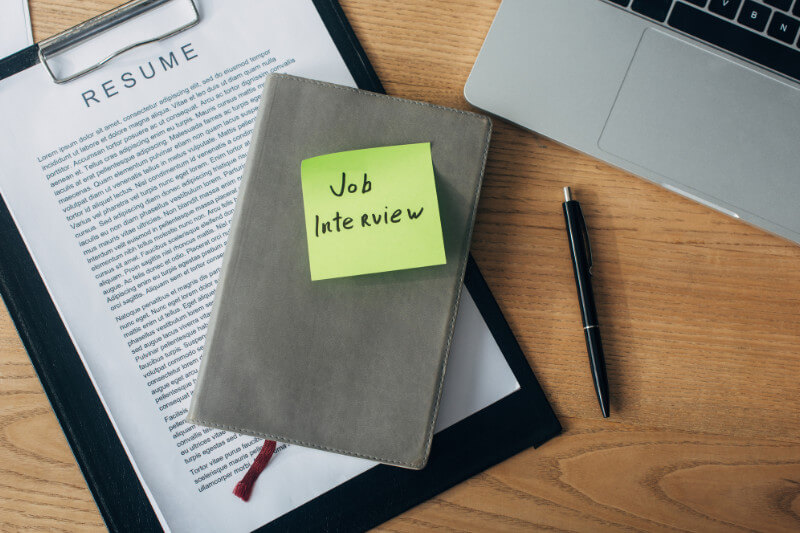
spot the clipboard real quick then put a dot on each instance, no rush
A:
(509, 426)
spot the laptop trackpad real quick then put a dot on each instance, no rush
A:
(720, 129)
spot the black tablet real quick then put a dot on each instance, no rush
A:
(520, 420)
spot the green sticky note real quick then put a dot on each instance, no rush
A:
(371, 210)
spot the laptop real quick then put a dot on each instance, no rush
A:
(699, 96)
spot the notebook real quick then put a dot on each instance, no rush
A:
(352, 365)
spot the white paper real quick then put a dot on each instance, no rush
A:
(123, 184)
(15, 26)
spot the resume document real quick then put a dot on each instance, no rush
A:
(123, 183)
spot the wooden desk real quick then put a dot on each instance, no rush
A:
(700, 316)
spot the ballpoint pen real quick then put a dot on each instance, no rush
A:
(582, 266)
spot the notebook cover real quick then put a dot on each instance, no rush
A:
(350, 365)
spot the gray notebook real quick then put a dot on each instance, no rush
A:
(351, 365)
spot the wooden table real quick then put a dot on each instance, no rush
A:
(700, 317)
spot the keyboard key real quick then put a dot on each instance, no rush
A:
(754, 15)
(726, 8)
(701, 3)
(796, 10)
(783, 28)
(780, 4)
(655, 9)
(623, 3)
(735, 39)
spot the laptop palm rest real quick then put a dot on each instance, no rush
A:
(720, 131)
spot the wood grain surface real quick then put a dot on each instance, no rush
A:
(700, 316)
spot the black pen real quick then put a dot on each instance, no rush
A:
(582, 265)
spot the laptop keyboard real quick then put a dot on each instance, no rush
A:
(764, 31)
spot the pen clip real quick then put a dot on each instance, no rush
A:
(586, 242)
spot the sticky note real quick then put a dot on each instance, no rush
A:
(371, 210)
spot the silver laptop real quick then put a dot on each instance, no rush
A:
(700, 96)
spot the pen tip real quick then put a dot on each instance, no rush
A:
(567, 194)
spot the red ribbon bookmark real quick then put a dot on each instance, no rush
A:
(245, 486)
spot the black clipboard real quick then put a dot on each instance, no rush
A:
(501, 430)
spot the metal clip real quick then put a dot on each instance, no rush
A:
(99, 24)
